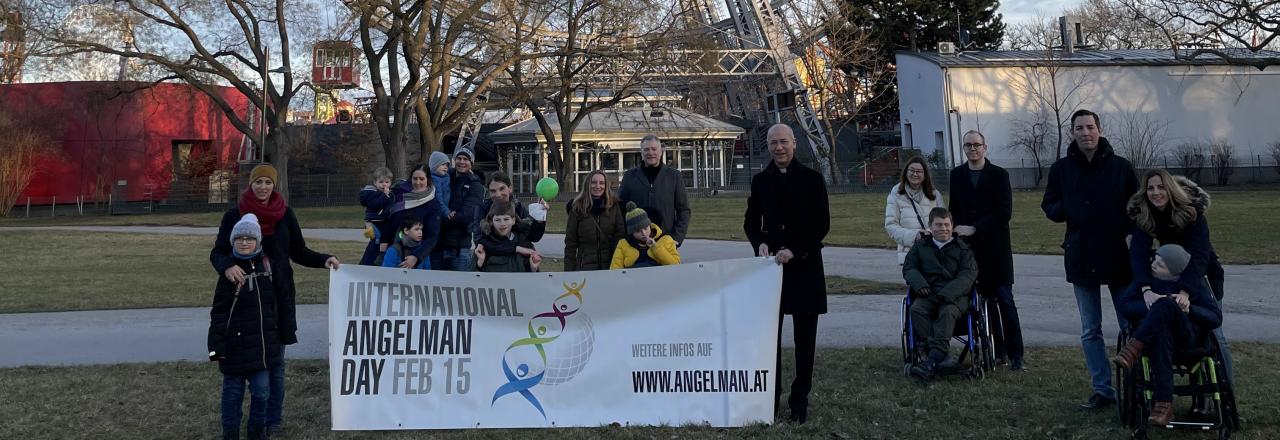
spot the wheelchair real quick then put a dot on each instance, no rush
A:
(973, 333)
(1206, 385)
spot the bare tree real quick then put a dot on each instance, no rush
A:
(1233, 30)
(436, 62)
(1112, 24)
(1039, 33)
(1275, 155)
(1222, 159)
(1140, 137)
(600, 54)
(840, 69)
(207, 44)
(22, 144)
(1028, 137)
(1049, 86)
(1189, 156)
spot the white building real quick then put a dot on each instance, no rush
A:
(699, 147)
(1009, 95)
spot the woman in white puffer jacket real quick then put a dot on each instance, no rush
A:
(906, 212)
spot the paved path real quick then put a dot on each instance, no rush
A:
(1045, 301)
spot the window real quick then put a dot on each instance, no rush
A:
(525, 168)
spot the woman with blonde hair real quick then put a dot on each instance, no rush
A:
(594, 225)
(1169, 211)
(908, 205)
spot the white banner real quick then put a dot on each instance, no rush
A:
(694, 343)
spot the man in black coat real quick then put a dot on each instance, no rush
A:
(657, 188)
(787, 217)
(1088, 189)
(453, 250)
(982, 203)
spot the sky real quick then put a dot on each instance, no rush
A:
(1021, 11)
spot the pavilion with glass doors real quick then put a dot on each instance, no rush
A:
(696, 145)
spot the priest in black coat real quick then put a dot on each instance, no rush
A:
(787, 217)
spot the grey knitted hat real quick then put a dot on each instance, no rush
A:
(1175, 258)
(436, 159)
(247, 227)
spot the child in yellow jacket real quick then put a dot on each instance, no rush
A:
(645, 244)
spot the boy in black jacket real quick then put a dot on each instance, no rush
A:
(242, 332)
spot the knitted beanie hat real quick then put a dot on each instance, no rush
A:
(437, 158)
(637, 219)
(264, 170)
(247, 227)
(1175, 258)
(464, 152)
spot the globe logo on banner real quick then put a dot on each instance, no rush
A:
(568, 356)
(556, 349)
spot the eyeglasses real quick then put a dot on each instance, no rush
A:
(973, 146)
(245, 240)
(914, 171)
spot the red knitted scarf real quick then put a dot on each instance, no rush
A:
(268, 213)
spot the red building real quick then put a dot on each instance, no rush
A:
(128, 138)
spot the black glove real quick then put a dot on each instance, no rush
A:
(924, 291)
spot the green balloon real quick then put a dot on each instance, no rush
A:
(547, 188)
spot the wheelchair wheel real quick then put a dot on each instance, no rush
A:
(1128, 401)
(1227, 406)
(988, 341)
(908, 351)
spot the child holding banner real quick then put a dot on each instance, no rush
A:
(408, 240)
(242, 332)
(501, 247)
(645, 245)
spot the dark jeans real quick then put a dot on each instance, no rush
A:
(275, 405)
(933, 319)
(804, 329)
(1002, 314)
(456, 260)
(233, 386)
(1163, 329)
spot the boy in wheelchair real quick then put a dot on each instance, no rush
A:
(1169, 319)
(940, 271)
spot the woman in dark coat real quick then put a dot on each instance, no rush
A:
(595, 224)
(282, 242)
(1171, 210)
(788, 216)
(417, 197)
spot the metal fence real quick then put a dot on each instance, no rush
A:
(197, 195)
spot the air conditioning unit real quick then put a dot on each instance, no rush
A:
(947, 48)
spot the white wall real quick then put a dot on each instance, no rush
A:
(1239, 104)
(921, 102)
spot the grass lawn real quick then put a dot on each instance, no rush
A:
(59, 270)
(858, 393)
(62, 270)
(857, 220)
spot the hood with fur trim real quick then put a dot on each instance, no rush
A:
(1140, 211)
